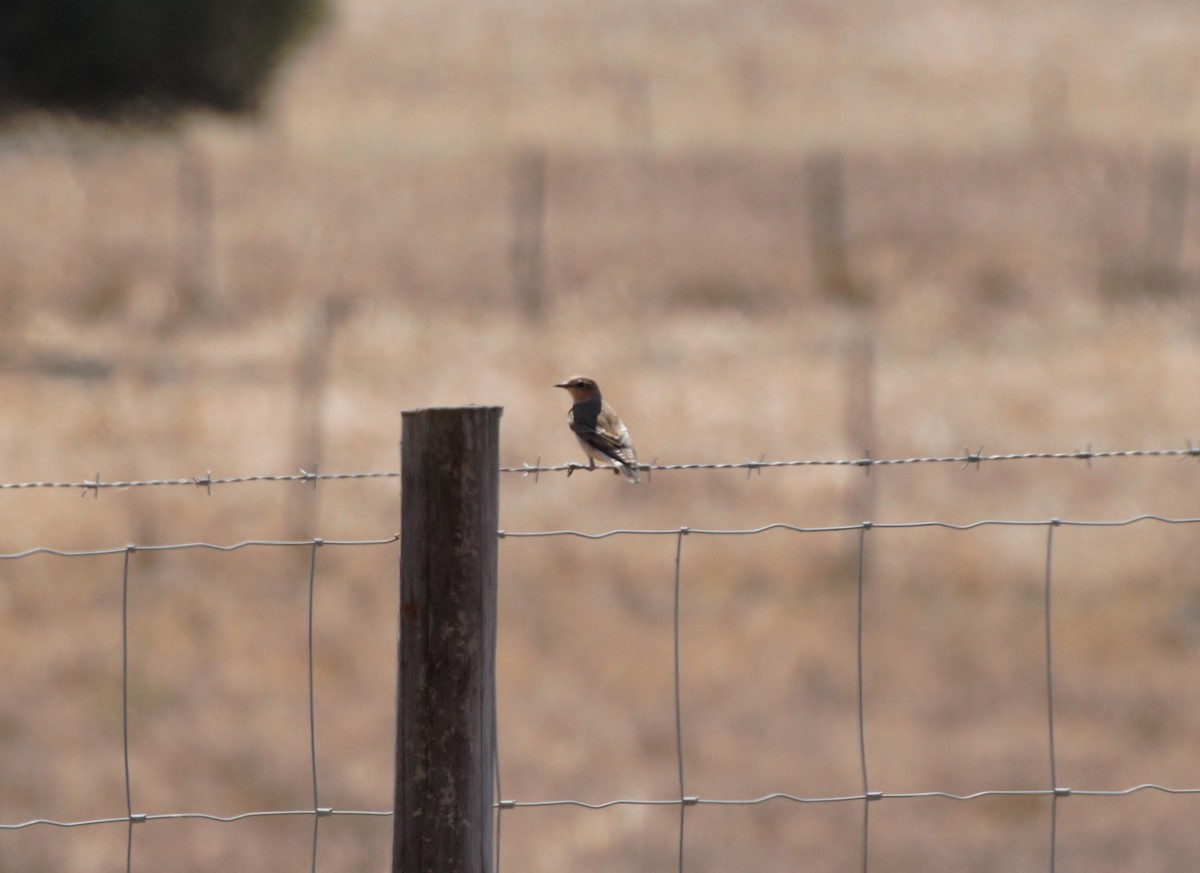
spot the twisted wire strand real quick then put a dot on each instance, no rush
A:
(632, 801)
(968, 458)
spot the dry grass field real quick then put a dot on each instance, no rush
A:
(1001, 195)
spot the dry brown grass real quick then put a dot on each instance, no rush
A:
(680, 279)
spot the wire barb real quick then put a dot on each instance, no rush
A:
(94, 487)
(312, 477)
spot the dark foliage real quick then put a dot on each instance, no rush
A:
(118, 58)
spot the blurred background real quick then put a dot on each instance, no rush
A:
(243, 244)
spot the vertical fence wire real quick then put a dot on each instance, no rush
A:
(683, 800)
(862, 730)
(1054, 793)
(499, 794)
(312, 707)
(125, 705)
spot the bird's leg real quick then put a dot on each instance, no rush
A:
(572, 467)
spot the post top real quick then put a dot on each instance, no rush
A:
(470, 407)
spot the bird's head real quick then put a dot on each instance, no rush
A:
(580, 388)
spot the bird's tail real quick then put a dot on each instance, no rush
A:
(629, 470)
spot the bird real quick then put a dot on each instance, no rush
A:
(598, 428)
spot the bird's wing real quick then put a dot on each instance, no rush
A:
(610, 436)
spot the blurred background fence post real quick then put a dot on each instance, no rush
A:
(1153, 264)
(196, 286)
(446, 702)
(825, 199)
(1166, 221)
(635, 116)
(826, 207)
(860, 406)
(529, 232)
(312, 375)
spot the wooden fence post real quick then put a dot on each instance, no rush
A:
(445, 721)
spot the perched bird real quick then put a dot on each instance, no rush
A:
(598, 429)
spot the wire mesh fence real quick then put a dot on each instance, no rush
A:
(133, 816)
(868, 795)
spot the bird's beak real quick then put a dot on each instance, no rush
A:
(560, 384)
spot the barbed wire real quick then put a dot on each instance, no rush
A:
(207, 481)
(968, 458)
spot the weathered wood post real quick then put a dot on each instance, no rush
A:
(449, 519)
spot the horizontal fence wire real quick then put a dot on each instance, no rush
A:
(876, 525)
(968, 458)
(844, 798)
(175, 547)
(141, 818)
